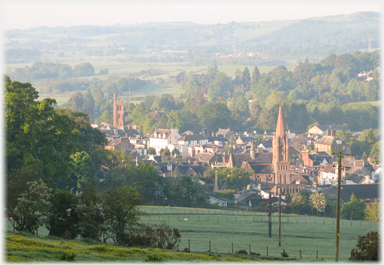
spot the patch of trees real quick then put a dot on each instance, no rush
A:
(40, 70)
(59, 174)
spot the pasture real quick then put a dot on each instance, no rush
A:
(246, 229)
(242, 228)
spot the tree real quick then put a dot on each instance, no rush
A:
(39, 139)
(318, 202)
(121, 212)
(246, 79)
(214, 116)
(151, 151)
(354, 209)
(83, 168)
(91, 217)
(166, 155)
(372, 213)
(232, 140)
(30, 209)
(367, 247)
(375, 152)
(63, 218)
(255, 77)
(288, 197)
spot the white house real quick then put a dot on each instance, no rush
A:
(190, 141)
(162, 138)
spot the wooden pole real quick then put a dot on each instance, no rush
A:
(209, 246)
(317, 254)
(189, 245)
(249, 249)
(338, 209)
(232, 248)
(280, 216)
(300, 253)
(267, 251)
(270, 216)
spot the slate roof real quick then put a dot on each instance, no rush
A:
(214, 138)
(260, 158)
(160, 132)
(223, 132)
(293, 151)
(185, 169)
(193, 137)
(262, 169)
(204, 157)
(331, 140)
(361, 191)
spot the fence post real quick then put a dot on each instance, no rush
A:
(300, 253)
(209, 246)
(317, 254)
(249, 249)
(232, 248)
(267, 251)
(189, 245)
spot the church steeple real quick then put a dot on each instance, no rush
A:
(280, 124)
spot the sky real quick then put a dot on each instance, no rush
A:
(21, 14)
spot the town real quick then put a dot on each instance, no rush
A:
(280, 159)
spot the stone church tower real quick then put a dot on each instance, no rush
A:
(118, 112)
(280, 151)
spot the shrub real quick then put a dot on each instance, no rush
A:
(367, 247)
(284, 254)
(241, 251)
(153, 257)
(68, 257)
(158, 236)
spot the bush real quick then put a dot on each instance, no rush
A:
(241, 251)
(68, 257)
(153, 257)
(284, 254)
(158, 236)
(367, 247)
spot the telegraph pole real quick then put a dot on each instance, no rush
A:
(270, 216)
(280, 216)
(338, 209)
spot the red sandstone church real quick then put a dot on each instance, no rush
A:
(120, 117)
(271, 169)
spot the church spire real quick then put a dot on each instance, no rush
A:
(280, 124)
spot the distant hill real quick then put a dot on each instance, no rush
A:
(278, 41)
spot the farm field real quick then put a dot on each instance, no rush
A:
(306, 233)
(242, 228)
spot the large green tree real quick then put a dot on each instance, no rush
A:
(39, 139)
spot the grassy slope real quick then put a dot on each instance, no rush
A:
(20, 248)
(306, 233)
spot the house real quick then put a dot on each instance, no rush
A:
(321, 130)
(366, 192)
(267, 146)
(187, 141)
(122, 142)
(162, 138)
(316, 159)
(217, 201)
(226, 133)
(332, 144)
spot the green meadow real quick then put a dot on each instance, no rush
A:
(246, 230)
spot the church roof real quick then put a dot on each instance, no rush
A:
(260, 158)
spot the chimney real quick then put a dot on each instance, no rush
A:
(216, 185)
(260, 149)
(328, 132)
(333, 132)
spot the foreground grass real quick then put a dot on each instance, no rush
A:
(21, 247)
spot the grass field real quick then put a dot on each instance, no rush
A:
(28, 248)
(306, 233)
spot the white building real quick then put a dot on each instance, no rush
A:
(219, 202)
(162, 138)
(191, 141)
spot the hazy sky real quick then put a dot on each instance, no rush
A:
(19, 14)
